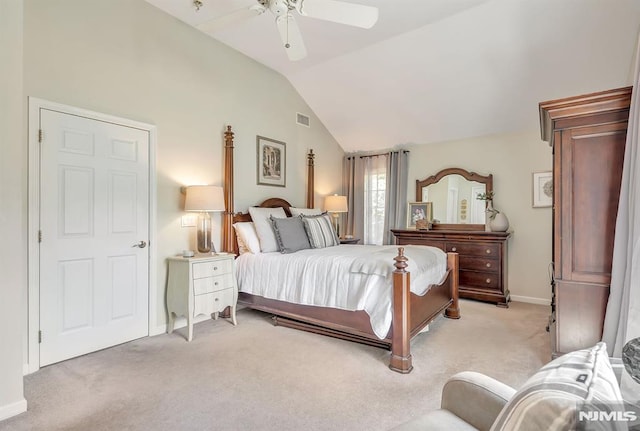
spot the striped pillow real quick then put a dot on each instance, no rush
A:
(320, 231)
(551, 398)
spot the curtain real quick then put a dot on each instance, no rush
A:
(375, 183)
(353, 184)
(396, 196)
(622, 318)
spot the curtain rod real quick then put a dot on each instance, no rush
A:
(379, 154)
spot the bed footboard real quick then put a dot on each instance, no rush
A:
(411, 312)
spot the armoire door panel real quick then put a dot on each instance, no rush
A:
(591, 183)
(581, 308)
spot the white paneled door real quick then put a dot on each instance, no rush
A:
(94, 224)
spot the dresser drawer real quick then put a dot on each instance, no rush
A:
(481, 280)
(421, 241)
(210, 269)
(479, 264)
(212, 284)
(213, 302)
(473, 248)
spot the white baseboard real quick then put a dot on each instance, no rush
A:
(13, 409)
(530, 300)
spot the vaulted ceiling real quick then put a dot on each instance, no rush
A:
(439, 70)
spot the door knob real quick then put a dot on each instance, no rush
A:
(141, 244)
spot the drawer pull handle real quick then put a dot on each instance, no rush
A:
(453, 249)
(215, 268)
(488, 251)
(488, 266)
(216, 283)
(488, 281)
(217, 299)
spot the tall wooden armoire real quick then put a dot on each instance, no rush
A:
(587, 134)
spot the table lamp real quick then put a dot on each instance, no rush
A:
(204, 199)
(335, 205)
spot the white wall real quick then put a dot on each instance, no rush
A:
(129, 59)
(511, 158)
(12, 209)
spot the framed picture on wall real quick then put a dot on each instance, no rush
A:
(542, 189)
(417, 211)
(272, 162)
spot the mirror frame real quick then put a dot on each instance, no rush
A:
(487, 180)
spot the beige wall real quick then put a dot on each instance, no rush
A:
(12, 210)
(511, 158)
(129, 59)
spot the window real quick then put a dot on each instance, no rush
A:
(375, 183)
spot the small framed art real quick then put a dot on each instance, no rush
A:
(272, 162)
(542, 189)
(417, 211)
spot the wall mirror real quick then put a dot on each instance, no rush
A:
(453, 193)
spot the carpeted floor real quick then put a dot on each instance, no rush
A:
(259, 377)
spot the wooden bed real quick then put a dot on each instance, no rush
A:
(410, 312)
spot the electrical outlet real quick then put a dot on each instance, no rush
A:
(189, 220)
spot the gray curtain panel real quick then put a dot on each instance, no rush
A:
(622, 320)
(353, 183)
(396, 199)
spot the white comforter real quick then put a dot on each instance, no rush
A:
(349, 277)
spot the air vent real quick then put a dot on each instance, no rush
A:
(302, 119)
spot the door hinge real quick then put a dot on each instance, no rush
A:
(39, 236)
(39, 336)
(40, 135)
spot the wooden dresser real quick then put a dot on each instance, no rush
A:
(483, 259)
(588, 135)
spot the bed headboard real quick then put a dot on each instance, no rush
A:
(229, 243)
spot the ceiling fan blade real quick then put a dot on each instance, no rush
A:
(291, 37)
(230, 19)
(336, 11)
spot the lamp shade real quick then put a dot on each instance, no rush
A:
(204, 198)
(336, 204)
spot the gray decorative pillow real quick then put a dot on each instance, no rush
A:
(290, 234)
(551, 398)
(320, 231)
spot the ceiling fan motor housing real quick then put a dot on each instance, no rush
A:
(278, 7)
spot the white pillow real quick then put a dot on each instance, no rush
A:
(295, 212)
(264, 229)
(248, 241)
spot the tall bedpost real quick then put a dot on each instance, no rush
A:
(310, 179)
(401, 325)
(453, 312)
(227, 223)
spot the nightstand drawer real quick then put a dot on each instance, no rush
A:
(213, 302)
(212, 284)
(210, 269)
(473, 248)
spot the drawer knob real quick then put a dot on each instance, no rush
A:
(454, 249)
(215, 268)
(217, 299)
(488, 251)
(488, 281)
(216, 283)
(488, 265)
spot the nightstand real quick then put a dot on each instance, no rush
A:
(203, 284)
(349, 240)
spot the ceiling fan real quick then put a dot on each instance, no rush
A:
(329, 10)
